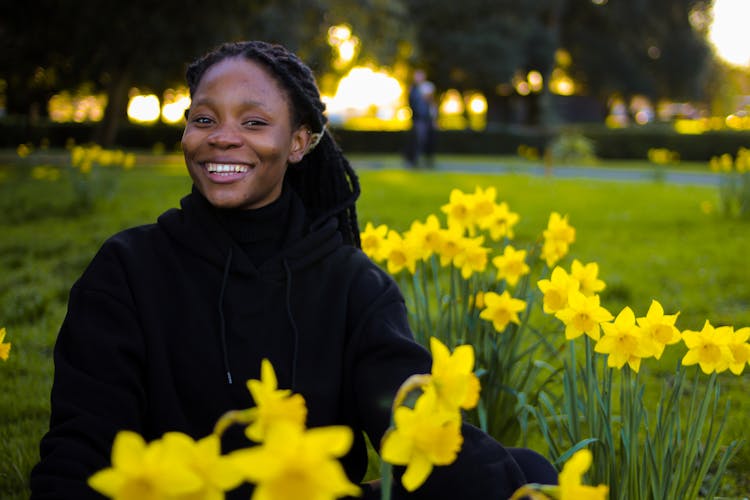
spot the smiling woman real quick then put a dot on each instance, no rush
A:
(262, 261)
(239, 137)
(728, 32)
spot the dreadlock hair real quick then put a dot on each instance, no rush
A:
(324, 179)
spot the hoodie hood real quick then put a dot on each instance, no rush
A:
(197, 228)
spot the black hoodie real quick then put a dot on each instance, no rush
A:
(170, 319)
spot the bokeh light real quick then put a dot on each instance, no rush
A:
(346, 45)
(175, 104)
(80, 107)
(144, 108)
(477, 103)
(536, 81)
(728, 31)
(365, 91)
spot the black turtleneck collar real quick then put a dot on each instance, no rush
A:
(263, 232)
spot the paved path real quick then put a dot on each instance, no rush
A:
(665, 174)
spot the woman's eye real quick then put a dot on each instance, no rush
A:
(202, 120)
(254, 123)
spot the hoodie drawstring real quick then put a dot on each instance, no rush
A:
(223, 326)
(291, 321)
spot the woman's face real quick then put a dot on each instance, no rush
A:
(239, 136)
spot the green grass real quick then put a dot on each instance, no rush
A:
(651, 240)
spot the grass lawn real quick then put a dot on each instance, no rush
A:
(651, 240)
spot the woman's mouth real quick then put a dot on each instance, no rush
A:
(223, 173)
(226, 169)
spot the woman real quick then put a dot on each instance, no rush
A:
(261, 261)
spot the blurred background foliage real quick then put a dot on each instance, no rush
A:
(536, 63)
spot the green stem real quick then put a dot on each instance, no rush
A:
(420, 304)
(452, 313)
(386, 480)
(435, 265)
(426, 300)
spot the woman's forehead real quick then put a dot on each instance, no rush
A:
(241, 76)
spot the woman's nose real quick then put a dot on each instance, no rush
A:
(225, 136)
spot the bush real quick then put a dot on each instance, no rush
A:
(626, 143)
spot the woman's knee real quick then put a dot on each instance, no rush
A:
(535, 466)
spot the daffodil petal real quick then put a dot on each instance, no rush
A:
(416, 473)
(108, 482)
(335, 440)
(395, 448)
(128, 451)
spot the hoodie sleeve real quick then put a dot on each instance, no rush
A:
(97, 388)
(386, 355)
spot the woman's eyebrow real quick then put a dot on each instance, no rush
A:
(248, 103)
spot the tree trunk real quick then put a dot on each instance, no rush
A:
(105, 133)
(499, 111)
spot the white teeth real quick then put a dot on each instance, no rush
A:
(221, 168)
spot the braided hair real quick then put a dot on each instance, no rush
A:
(324, 179)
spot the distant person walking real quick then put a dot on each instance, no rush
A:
(421, 143)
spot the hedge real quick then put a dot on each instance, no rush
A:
(627, 143)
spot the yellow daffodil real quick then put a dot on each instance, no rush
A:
(570, 483)
(423, 437)
(219, 474)
(143, 471)
(426, 236)
(714, 164)
(624, 342)
(553, 251)
(502, 309)
(453, 375)
(740, 348)
(659, 327)
(557, 238)
(451, 244)
(23, 150)
(483, 205)
(570, 479)
(294, 462)
(511, 265)
(587, 276)
(128, 161)
(372, 239)
(558, 229)
(583, 315)
(479, 300)
(77, 155)
(399, 254)
(472, 258)
(105, 158)
(459, 210)
(556, 289)
(727, 162)
(500, 224)
(272, 405)
(4, 347)
(709, 348)
(43, 172)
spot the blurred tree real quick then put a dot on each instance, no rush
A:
(658, 49)
(482, 45)
(115, 45)
(629, 47)
(302, 25)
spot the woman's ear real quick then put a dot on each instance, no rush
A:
(300, 144)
